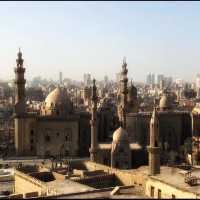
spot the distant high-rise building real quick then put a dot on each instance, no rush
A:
(159, 78)
(179, 82)
(198, 81)
(168, 81)
(87, 79)
(150, 80)
(1, 92)
(105, 81)
(162, 84)
(198, 85)
(118, 77)
(60, 78)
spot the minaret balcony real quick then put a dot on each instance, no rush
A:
(20, 70)
(20, 81)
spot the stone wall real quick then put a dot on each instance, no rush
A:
(124, 177)
(26, 184)
(63, 137)
(166, 190)
(100, 181)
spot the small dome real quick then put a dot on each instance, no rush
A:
(132, 91)
(104, 103)
(120, 135)
(196, 109)
(165, 101)
(57, 96)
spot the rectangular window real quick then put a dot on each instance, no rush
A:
(159, 194)
(152, 191)
(47, 138)
(32, 132)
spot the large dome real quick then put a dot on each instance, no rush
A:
(120, 138)
(56, 97)
(120, 135)
(58, 102)
(166, 101)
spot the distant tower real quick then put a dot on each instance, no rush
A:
(93, 122)
(154, 149)
(132, 98)
(20, 105)
(20, 85)
(60, 78)
(124, 92)
(162, 84)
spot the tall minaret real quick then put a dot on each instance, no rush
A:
(20, 85)
(154, 149)
(20, 106)
(93, 122)
(124, 92)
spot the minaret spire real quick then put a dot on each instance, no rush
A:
(153, 148)
(93, 122)
(19, 59)
(20, 84)
(124, 92)
(20, 105)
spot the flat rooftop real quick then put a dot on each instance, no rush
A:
(124, 193)
(175, 177)
(67, 187)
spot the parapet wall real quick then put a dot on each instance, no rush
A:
(98, 182)
(27, 184)
(125, 177)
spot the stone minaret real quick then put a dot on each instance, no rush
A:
(93, 122)
(19, 85)
(124, 92)
(20, 105)
(154, 149)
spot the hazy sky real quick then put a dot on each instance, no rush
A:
(93, 37)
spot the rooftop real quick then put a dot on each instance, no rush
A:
(175, 177)
(67, 187)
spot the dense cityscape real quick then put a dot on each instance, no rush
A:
(91, 137)
(68, 127)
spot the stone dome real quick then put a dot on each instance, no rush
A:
(120, 135)
(104, 103)
(165, 101)
(132, 92)
(196, 109)
(56, 97)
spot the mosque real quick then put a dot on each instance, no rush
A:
(59, 131)
(56, 131)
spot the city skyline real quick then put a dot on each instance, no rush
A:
(81, 37)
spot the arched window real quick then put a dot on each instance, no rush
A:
(67, 137)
